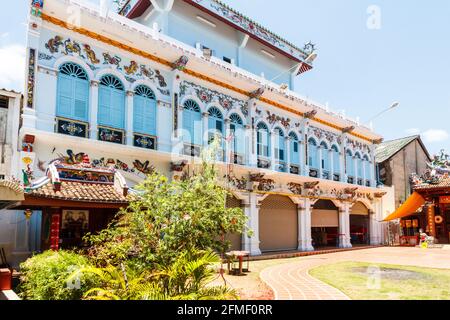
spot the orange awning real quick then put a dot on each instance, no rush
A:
(414, 202)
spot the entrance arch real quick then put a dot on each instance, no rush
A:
(278, 224)
(325, 224)
(359, 224)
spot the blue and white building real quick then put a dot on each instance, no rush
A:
(148, 86)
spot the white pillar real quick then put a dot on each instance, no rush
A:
(251, 208)
(320, 149)
(205, 116)
(344, 226)
(227, 156)
(375, 224)
(129, 119)
(304, 226)
(303, 160)
(93, 117)
(287, 155)
(272, 151)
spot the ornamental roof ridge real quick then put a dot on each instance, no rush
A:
(260, 26)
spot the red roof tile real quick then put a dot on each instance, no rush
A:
(81, 191)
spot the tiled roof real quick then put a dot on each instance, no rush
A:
(388, 149)
(81, 191)
(444, 182)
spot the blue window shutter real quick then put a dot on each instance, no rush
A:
(104, 101)
(187, 126)
(240, 140)
(80, 109)
(150, 117)
(65, 96)
(117, 109)
(336, 161)
(294, 152)
(138, 111)
(197, 126)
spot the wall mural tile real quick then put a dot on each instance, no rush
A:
(207, 95)
(57, 46)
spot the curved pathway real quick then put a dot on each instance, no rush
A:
(291, 281)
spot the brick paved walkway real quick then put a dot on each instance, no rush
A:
(291, 281)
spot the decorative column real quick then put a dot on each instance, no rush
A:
(252, 134)
(344, 226)
(205, 133)
(177, 114)
(374, 225)
(248, 145)
(228, 143)
(287, 155)
(320, 150)
(431, 210)
(355, 169)
(304, 226)
(272, 151)
(251, 209)
(129, 118)
(303, 166)
(93, 117)
(331, 164)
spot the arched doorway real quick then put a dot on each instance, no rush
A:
(359, 224)
(234, 238)
(325, 224)
(278, 224)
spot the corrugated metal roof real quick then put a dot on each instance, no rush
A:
(387, 149)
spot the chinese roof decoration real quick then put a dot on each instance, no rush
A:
(58, 46)
(437, 175)
(244, 23)
(273, 118)
(207, 96)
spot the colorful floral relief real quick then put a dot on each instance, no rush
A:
(132, 70)
(207, 95)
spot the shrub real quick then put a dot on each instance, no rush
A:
(45, 276)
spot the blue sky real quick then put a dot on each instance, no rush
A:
(360, 70)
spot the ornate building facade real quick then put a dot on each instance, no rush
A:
(147, 88)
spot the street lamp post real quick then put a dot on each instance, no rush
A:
(393, 106)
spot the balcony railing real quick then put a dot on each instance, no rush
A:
(111, 135)
(263, 163)
(314, 173)
(237, 159)
(192, 150)
(280, 166)
(336, 177)
(295, 169)
(350, 180)
(72, 127)
(145, 141)
(360, 182)
(368, 183)
(325, 175)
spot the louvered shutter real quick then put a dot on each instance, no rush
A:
(80, 108)
(117, 109)
(187, 126)
(294, 152)
(104, 102)
(197, 125)
(138, 110)
(150, 117)
(65, 96)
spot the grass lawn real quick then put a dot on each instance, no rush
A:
(359, 281)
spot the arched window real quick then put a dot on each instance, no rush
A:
(349, 166)
(238, 132)
(144, 111)
(359, 165)
(295, 150)
(111, 102)
(336, 159)
(325, 161)
(313, 154)
(73, 92)
(215, 123)
(279, 145)
(263, 140)
(192, 123)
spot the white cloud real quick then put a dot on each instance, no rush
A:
(12, 67)
(435, 135)
(412, 131)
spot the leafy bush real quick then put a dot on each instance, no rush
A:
(45, 276)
